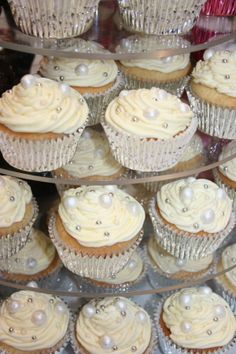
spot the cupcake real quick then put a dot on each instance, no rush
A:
(40, 124)
(96, 230)
(191, 217)
(18, 212)
(225, 174)
(193, 158)
(32, 322)
(226, 283)
(70, 18)
(219, 8)
(130, 275)
(36, 261)
(175, 268)
(212, 96)
(148, 129)
(159, 17)
(97, 80)
(196, 320)
(169, 73)
(103, 324)
(92, 161)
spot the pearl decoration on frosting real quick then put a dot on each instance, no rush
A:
(2, 182)
(167, 60)
(32, 284)
(123, 93)
(89, 310)
(39, 318)
(28, 81)
(106, 342)
(121, 305)
(141, 316)
(205, 290)
(185, 299)
(180, 263)
(65, 89)
(13, 306)
(60, 308)
(186, 326)
(150, 113)
(71, 202)
(186, 195)
(81, 69)
(220, 311)
(31, 263)
(184, 107)
(99, 153)
(133, 208)
(105, 200)
(220, 194)
(191, 179)
(132, 264)
(111, 187)
(208, 54)
(208, 216)
(161, 95)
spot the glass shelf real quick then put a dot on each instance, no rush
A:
(107, 31)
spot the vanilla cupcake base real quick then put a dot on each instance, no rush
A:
(213, 120)
(186, 245)
(148, 154)
(90, 266)
(38, 155)
(12, 243)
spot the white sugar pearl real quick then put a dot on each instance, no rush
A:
(89, 310)
(65, 89)
(105, 201)
(32, 284)
(185, 300)
(208, 54)
(81, 69)
(133, 208)
(60, 308)
(106, 342)
(141, 316)
(13, 306)
(121, 305)
(221, 194)
(205, 290)
(186, 326)
(186, 195)
(39, 318)
(208, 216)
(70, 202)
(151, 113)
(28, 81)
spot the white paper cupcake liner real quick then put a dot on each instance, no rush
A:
(98, 102)
(91, 267)
(10, 244)
(174, 87)
(213, 120)
(231, 192)
(145, 154)
(186, 245)
(168, 346)
(160, 17)
(39, 155)
(53, 18)
(79, 350)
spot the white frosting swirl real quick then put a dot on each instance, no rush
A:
(35, 256)
(228, 259)
(205, 322)
(18, 327)
(228, 169)
(100, 215)
(15, 194)
(131, 271)
(92, 157)
(79, 72)
(149, 113)
(171, 265)
(218, 72)
(195, 205)
(110, 322)
(38, 105)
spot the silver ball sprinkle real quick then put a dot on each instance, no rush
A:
(12, 199)
(224, 61)
(34, 338)
(165, 125)
(59, 109)
(227, 77)
(187, 307)
(133, 348)
(78, 227)
(209, 332)
(105, 74)
(114, 348)
(97, 311)
(106, 234)
(184, 210)
(11, 329)
(225, 168)
(123, 313)
(30, 300)
(215, 319)
(51, 301)
(61, 78)
(205, 186)
(98, 222)
(135, 119)
(56, 67)
(196, 226)
(31, 263)
(90, 167)
(167, 201)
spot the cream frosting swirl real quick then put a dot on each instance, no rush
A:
(92, 157)
(171, 265)
(195, 205)
(79, 72)
(38, 105)
(228, 259)
(131, 271)
(15, 194)
(108, 327)
(31, 321)
(35, 256)
(228, 169)
(99, 216)
(199, 318)
(152, 113)
(218, 72)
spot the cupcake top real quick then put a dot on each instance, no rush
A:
(103, 325)
(150, 113)
(131, 271)
(228, 168)
(198, 318)
(79, 72)
(35, 256)
(38, 105)
(92, 157)
(171, 265)
(218, 72)
(15, 194)
(228, 259)
(99, 216)
(31, 321)
(195, 205)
